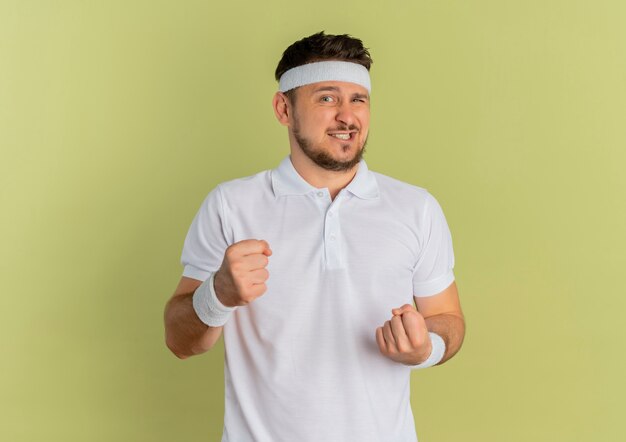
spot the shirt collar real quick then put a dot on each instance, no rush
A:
(287, 181)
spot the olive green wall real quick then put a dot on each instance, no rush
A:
(118, 117)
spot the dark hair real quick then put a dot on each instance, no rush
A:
(320, 46)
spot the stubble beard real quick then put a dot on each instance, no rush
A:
(322, 158)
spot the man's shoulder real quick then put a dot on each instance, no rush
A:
(238, 190)
(258, 182)
(395, 188)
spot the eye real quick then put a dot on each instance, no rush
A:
(327, 98)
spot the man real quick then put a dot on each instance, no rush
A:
(311, 269)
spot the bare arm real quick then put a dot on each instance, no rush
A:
(185, 334)
(404, 338)
(239, 281)
(442, 314)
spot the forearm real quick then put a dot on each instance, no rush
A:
(185, 334)
(451, 328)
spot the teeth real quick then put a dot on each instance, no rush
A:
(342, 136)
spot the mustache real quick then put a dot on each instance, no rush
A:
(345, 128)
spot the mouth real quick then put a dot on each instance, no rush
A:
(343, 136)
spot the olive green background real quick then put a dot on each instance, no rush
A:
(118, 117)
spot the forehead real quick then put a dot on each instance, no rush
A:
(340, 87)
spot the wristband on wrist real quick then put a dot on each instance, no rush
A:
(436, 355)
(208, 307)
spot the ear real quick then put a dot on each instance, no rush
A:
(282, 108)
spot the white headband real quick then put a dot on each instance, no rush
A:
(325, 71)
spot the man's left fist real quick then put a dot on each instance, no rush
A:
(404, 338)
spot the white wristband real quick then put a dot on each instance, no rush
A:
(208, 307)
(436, 355)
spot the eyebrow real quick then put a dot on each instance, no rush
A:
(336, 89)
(326, 88)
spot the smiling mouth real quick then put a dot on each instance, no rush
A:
(343, 136)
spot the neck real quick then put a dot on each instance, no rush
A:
(319, 177)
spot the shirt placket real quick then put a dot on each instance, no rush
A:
(332, 239)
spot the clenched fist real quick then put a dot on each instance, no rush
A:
(241, 278)
(404, 338)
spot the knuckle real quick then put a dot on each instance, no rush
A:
(421, 340)
(248, 290)
(402, 348)
(415, 314)
(254, 291)
(231, 251)
(236, 266)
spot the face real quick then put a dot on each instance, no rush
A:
(330, 123)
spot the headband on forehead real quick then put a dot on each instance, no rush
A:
(325, 71)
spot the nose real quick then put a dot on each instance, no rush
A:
(345, 113)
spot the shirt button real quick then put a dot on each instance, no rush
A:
(332, 237)
(330, 214)
(320, 194)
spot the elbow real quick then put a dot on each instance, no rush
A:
(176, 350)
(179, 354)
(185, 352)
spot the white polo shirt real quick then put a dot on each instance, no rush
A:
(301, 361)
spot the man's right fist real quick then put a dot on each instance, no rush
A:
(241, 278)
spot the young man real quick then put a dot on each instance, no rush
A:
(311, 270)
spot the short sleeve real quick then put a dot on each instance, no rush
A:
(433, 271)
(205, 244)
